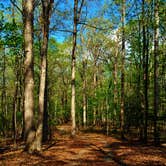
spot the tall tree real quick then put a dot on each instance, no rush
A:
(77, 13)
(4, 95)
(46, 12)
(156, 70)
(115, 81)
(122, 69)
(28, 9)
(84, 88)
(15, 102)
(84, 63)
(73, 68)
(145, 72)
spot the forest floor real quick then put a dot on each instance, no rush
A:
(86, 149)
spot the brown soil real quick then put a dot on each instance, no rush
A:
(86, 149)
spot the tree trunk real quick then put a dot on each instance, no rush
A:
(156, 70)
(46, 11)
(145, 73)
(115, 90)
(73, 69)
(77, 13)
(139, 97)
(84, 93)
(3, 94)
(107, 115)
(28, 71)
(122, 71)
(94, 86)
(15, 99)
(15, 107)
(46, 129)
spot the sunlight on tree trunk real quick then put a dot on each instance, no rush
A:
(73, 69)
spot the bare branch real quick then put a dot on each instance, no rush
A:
(93, 26)
(61, 30)
(80, 9)
(15, 5)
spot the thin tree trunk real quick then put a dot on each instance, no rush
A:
(28, 72)
(3, 96)
(145, 73)
(115, 94)
(156, 70)
(107, 116)
(73, 69)
(46, 129)
(94, 86)
(15, 100)
(139, 84)
(122, 71)
(146, 84)
(77, 13)
(15, 107)
(21, 89)
(84, 93)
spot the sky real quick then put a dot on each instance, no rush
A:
(92, 9)
(5, 2)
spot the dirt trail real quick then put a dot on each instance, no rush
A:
(87, 149)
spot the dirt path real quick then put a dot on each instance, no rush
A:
(87, 149)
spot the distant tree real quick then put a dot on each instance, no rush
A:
(122, 70)
(156, 69)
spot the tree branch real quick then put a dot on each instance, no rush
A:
(93, 26)
(15, 5)
(80, 9)
(61, 30)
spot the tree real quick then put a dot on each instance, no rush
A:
(28, 9)
(156, 70)
(122, 70)
(46, 12)
(145, 73)
(77, 13)
(84, 87)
